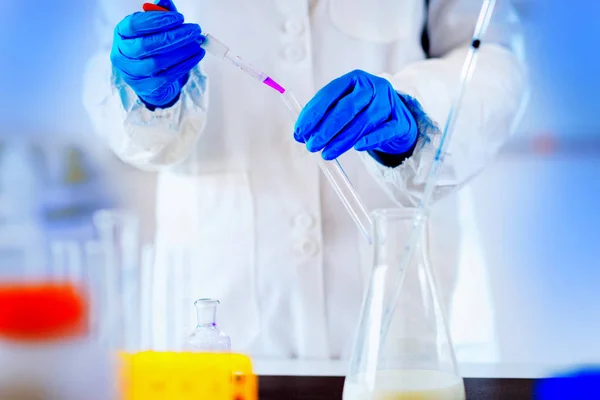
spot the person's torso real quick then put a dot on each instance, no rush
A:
(270, 238)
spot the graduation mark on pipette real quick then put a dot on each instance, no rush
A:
(215, 47)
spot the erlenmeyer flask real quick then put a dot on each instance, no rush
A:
(208, 337)
(407, 354)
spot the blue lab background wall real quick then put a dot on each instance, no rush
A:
(562, 36)
(44, 47)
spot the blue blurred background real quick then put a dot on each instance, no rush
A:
(536, 205)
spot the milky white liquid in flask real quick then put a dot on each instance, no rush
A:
(408, 385)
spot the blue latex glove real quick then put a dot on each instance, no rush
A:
(582, 384)
(154, 53)
(358, 110)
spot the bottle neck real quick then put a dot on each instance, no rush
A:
(206, 313)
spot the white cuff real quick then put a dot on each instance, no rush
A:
(406, 182)
(163, 136)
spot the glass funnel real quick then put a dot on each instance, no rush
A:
(208, 336)
(403, 349)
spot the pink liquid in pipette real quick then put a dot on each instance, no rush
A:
(270, 82)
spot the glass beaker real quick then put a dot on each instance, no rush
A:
(208, 336)
(403, 348)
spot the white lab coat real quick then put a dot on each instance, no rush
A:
(269, 237)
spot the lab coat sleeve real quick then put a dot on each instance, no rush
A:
(491, 105)
(149, 140)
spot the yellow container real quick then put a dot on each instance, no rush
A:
(187, 376)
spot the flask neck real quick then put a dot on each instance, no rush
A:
(394, 231)
(206, 312)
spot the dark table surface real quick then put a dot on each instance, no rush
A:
(330, 388)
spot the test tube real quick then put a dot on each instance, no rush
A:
(94, 263)
(66, 262)
(146, 285)
(118, 232)
(58, 262)
(178, 262)
(337, 178)
(75, 268)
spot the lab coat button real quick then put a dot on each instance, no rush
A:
(294, 27)
(307, 247)
(294, 53)
(305, 221)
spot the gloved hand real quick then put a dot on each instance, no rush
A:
(154, 53)
(357, 110)
(583, 383)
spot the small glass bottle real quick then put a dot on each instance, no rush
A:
(208, 337)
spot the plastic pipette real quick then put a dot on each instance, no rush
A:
(337, 178)
(213, 46)
(332, 169)
(483, 21)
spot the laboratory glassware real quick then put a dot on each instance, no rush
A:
(172, 294)
(66, 261)
(78, 263)
(93, 278)
(215, 47)
(146, 291)
(337, 177)
(414, 359)
(412, 237)
(83, 264)
(118, 233)
(208, 337)
(333, 170)
(388, 287)
(117, 276)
